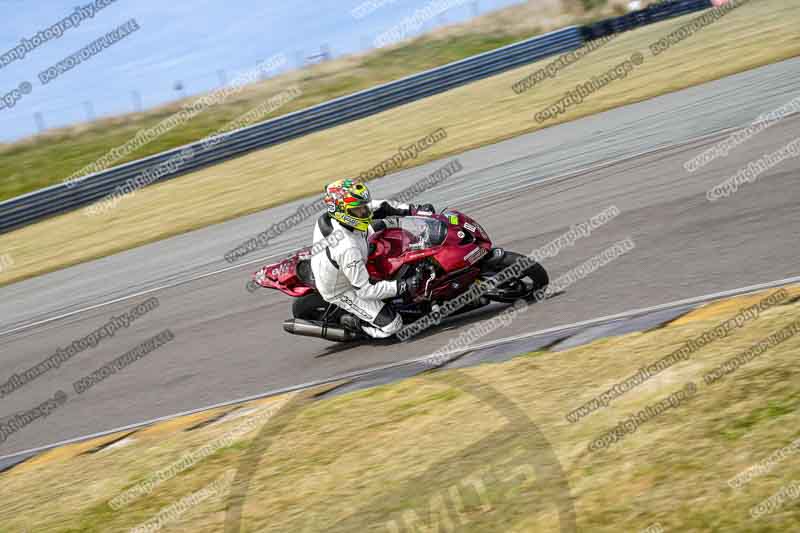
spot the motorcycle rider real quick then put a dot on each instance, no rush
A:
(340, 272)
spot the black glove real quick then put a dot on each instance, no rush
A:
(408, 288)
(422, 209)
(415, 285)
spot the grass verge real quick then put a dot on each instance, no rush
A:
(478, 114)
(469, 449)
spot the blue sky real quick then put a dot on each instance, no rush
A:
(177, 40)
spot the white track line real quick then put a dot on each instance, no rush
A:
(361, 373)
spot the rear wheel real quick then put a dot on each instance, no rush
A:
(309, 307)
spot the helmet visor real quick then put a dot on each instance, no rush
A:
(362, 211)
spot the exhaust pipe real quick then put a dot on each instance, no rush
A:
(304, 328)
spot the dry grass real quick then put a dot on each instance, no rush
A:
(354, 462)
(473, 115)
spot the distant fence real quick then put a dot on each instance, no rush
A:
(636, 19)
(61, 198)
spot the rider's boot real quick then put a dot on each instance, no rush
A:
(351, 322)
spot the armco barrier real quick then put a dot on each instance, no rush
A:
(60, 198)
(650, 15)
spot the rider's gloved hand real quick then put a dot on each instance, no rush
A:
(378, 225)
(422, 209)
(410, 287)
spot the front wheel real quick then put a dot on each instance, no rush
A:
(529, 285)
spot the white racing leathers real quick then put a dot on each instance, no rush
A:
(341, 276)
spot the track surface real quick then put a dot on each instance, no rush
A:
(229, 342)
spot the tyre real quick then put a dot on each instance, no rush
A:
(538, 275)
(530, 285)
(309, 307)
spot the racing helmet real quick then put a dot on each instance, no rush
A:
(348, 202)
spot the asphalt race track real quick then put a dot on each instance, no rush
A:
(525, 191)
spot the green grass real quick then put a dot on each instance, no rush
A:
(429, 54)
(737, 428)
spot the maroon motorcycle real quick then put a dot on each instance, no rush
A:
(452, 250)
